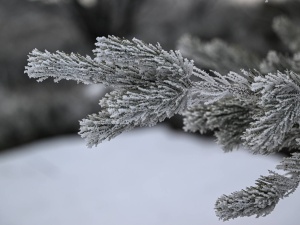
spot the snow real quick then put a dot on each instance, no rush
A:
(152, 176)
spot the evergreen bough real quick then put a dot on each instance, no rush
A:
(257, 107)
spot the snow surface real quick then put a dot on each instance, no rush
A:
(151, 176)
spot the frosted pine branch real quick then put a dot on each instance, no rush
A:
(98, 127)
(280, 102)
(151, 84)
(229, 119)
(59, 65)
(215, 86)
(259, 200)
(257, 109)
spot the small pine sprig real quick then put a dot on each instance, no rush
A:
(151, 84)
(280, 102)
(215, 86)
(229, 119)
(259, 200)
(98, 127)
(59, 65)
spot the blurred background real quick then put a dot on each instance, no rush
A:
(30, 111)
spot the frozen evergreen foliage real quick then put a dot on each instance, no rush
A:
(150, 83)
(261, 199)
(258, 200)
(280, 102)
(229, 119)
(246, 101)
(213, 87)
(60, 65)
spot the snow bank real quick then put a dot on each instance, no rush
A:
(150, 176)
